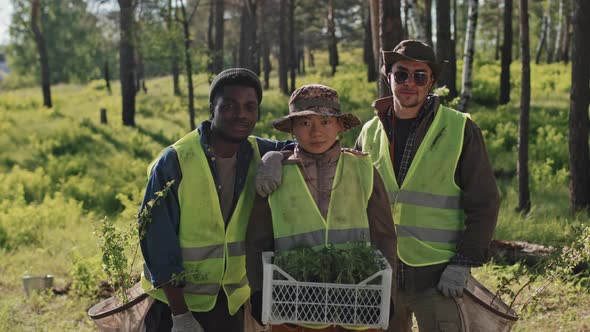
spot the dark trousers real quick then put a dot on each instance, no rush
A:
(218, 319)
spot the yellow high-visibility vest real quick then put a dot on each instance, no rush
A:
(427, 208)
(210, 250)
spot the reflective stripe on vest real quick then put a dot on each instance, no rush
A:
(427, 208)
(297, 220)
(317, 238)
(214, 252)
(425, 199)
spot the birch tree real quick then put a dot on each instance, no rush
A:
(542, 38)
(522, 168)
(549, 43)
(468, 53)
(579, 159)
(558, 33)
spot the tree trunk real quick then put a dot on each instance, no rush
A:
(468, 52)
(210, 36)
(415, 20)
(506, 54)
(292, 48)
(264, 44)
(311, 58)
(445, 47)
(579, 160)
(428, 22)
(558, 34)
(43, 57)
(498, 29)
(248, 44)
(173, 53)
(188, 65)
(301, 57)
(549, 43)
(376, 42)
(522, 168)
(406, 22)
(107, 76)
(368, 55)
(126, 61)
(218, 33)
(140, 72)
(542, 39)
(332, 42)
(283, 50)
(390, 32)
(565, 51)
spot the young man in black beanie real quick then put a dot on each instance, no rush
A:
(194, 245)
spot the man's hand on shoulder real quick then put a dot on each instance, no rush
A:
(269, 174)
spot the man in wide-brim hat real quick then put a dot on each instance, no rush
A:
(442, 189)
(329, 196)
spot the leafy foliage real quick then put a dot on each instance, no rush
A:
(330, 264)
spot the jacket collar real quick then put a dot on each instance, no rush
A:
(330, 156)
(384, 106)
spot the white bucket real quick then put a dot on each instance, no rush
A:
(37, 283)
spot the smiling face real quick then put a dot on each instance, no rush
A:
(234, 113)
(316, 134)
(409, 96)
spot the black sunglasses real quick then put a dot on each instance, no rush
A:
(420, 78)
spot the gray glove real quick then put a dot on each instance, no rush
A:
(269, 174)
(453, 280)
(186, 323)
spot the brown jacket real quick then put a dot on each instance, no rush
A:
(474, 175)
(319, 171)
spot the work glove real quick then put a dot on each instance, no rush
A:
(256, 302)
(453, 280)
(186, 323)
(269, 174)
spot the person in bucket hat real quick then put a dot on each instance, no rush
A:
(442, 189)
(347, 193)
(199, 284)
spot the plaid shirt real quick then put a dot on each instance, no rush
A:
(407, 158)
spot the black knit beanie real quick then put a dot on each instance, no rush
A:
(235, 76)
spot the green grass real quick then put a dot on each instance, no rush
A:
(61, 171)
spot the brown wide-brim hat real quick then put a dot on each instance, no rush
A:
(315, 99)
(413, 50)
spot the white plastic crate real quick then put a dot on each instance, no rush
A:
(286, 300)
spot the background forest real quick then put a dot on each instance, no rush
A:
(92, 90)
